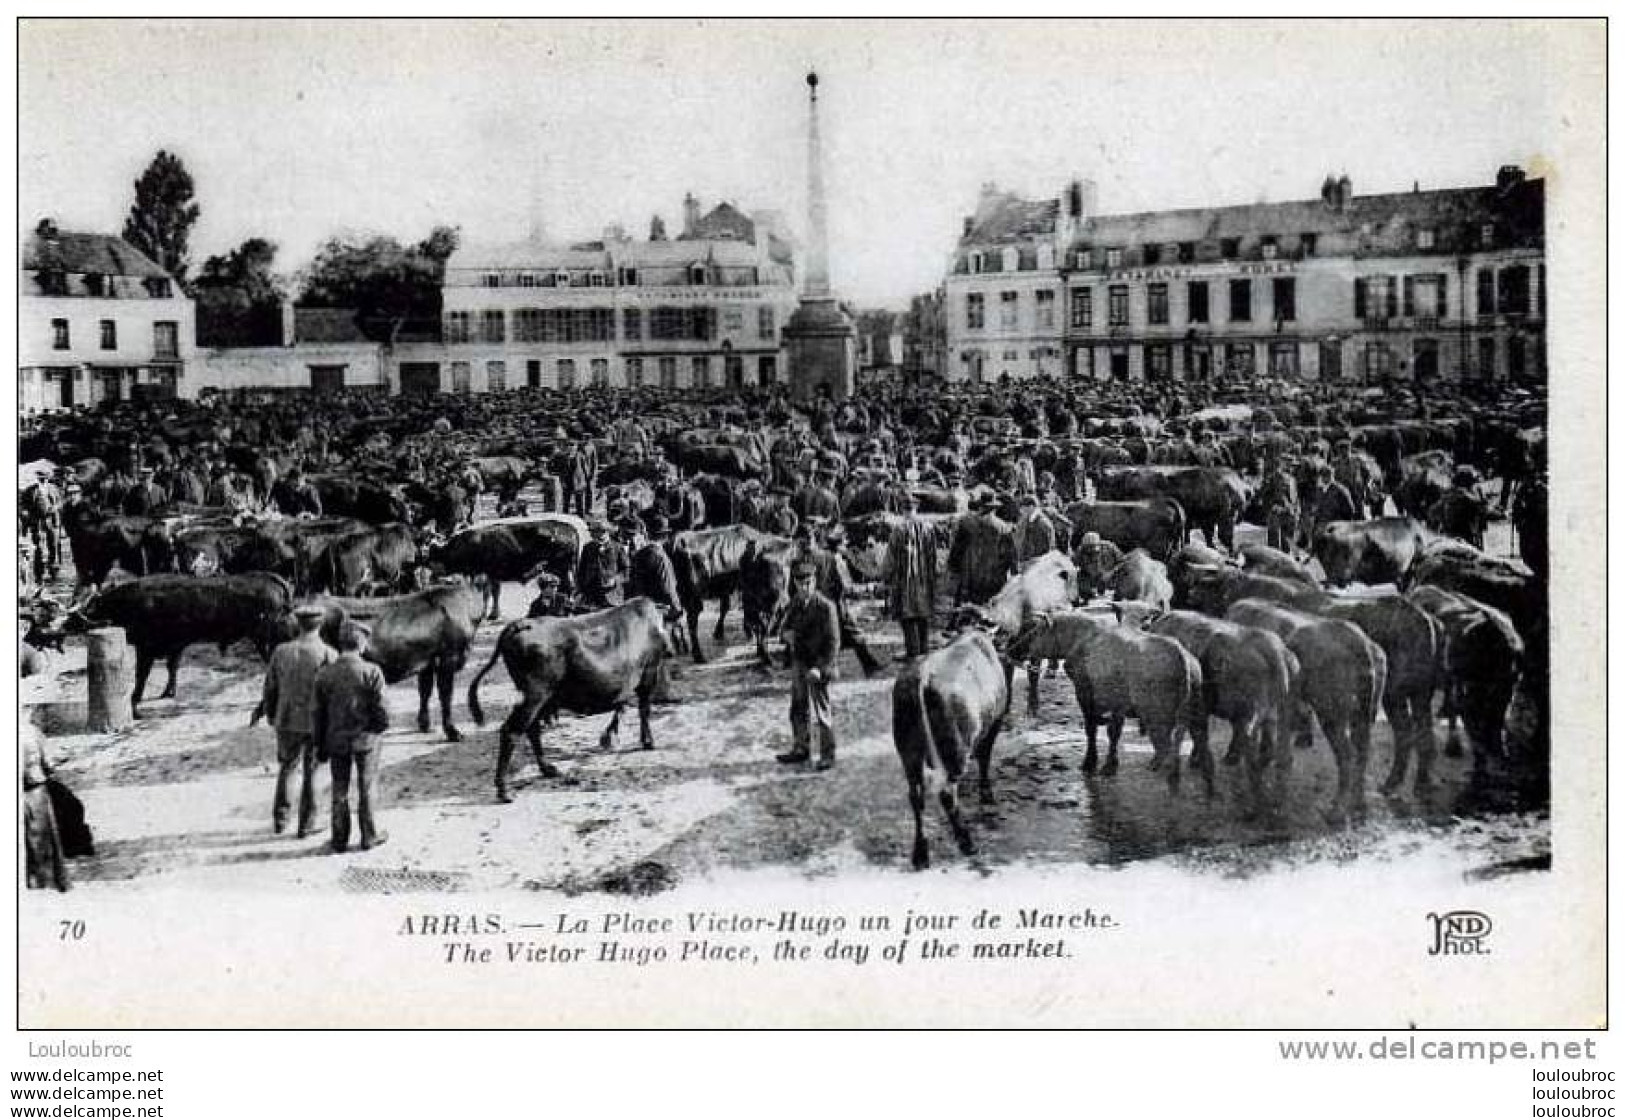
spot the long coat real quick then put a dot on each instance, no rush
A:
(911, 569)
(981, 558)
(1032, 538)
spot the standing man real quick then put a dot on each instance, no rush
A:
(601, 570)
(911, 577)
(551, 603)
(1033, 534)
(145, 497)
(812, 638)
(289, 698)
(349, 717)
(583, 473)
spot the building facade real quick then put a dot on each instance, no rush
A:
(703, 309)
(1415, 286)
(97, 321)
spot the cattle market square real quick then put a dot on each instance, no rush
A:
(644, 560)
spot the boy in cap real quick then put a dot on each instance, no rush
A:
(288, 697)
(551, 603)
(349, 717)
(812, 638)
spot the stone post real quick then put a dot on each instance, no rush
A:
(110, 681)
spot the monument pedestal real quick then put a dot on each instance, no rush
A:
(821, 349)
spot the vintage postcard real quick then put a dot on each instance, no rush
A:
(857, 523)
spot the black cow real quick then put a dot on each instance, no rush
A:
(589, 664)
(1213, 498)
(514, 549)
(367, 561)
(162, 615)
(1156, 524)
(372, 502)
(707, 564)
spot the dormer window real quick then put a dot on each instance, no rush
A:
(1012, 260)
(1230, 248)
(696, 274)
(1267, 248)
(95, 284)
(1114, 258)
(1424, 237)
(1152, 254)
(1307, 242)
(1486, 235)
(491, 280)
(159, 287)
(1046, 257)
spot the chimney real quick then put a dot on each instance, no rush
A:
(657, 228)
(1345, 192)
(691, 214)
(970, 224)
(288, 328)
(46, 228)
(1508, 177)
(614, 233)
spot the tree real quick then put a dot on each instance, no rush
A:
(160, 222)
(388, 284)
(239, 297)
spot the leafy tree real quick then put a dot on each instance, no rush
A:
(239, 297)
(160, 222)
(387, 283)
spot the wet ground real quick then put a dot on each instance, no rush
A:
(185, 797)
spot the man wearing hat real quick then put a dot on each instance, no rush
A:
(1033, 534)
(551, 603)
(145, 497)
(911, 576)
(1095, 557)
(649, 572)
(812, 638)
(982, 555)
(288, 697)
(601, 570)
(834, 582)
(1461, 512)
(349, 717)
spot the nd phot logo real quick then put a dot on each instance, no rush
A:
(1459, 933)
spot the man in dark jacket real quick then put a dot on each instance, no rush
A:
(349, 717)
(602, 570)
(650, 573)
(289, 700)
(145, 497)
(812, 638)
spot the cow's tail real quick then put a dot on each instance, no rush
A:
(911, 709)
(474, 708)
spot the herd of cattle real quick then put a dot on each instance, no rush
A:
(1329, 624)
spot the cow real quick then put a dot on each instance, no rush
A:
(1483, 658)
(1212, 498)
(1409, 638)
(1423, 480)
(764, 590)
(948, 707)
(1507, 585)
(426, 634)
(514, 548)
(1380, 550)
(1249, 679)
(715, 458)
(1118, 671)
(1138, 577)
(1266, 561)
(162, 615)
(1044, 584)
(139, 545)
(1154, 524)
(1343, 677)
(588, 664)
(363, 499)
(367, 561)
(706, 563)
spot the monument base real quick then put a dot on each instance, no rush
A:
(821, 350)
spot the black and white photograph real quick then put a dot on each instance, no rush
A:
(846, 523)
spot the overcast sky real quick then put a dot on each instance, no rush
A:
(295, 131)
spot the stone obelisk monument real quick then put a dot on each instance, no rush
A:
(819, 340)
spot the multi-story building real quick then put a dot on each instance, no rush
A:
(97, 320)
(1417, 285)
(705, 308)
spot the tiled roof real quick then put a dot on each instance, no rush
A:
(326, 324)
(87, 253)
(1006, 217)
